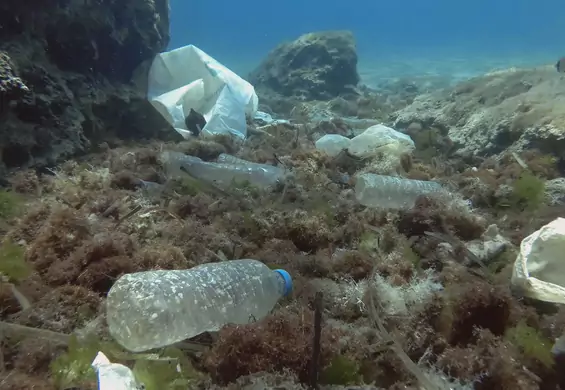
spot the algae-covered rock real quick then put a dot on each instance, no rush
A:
(320, 65)
(519, 108)
(65, 76)
(11, 86)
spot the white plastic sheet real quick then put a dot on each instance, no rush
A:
(539, 269)
(187, 78)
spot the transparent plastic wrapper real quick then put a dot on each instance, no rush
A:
(266, 119)
(152, 309)
(390, 192)
(222, 174)
(539, 269)
(187, 78)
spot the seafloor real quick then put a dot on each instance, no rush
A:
(385, 324)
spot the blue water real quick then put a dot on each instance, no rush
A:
(393, 37)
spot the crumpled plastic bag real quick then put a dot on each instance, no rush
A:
(539, 269)
(380, 139)
(187, 78)
(332, 144)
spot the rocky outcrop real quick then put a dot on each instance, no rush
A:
(66, 73)
(316, 66)
(515, 108)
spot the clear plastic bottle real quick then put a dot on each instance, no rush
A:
(152, 309)
(229, 159)
(225, 172)
(390, 192)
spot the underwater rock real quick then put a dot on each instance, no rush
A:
(490, 245)
(66, 76)
(555, 191)
(11, 86)
(316, 66)
(519, 108)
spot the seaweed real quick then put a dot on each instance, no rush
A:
(341, 371)
(172, 370)
(386, 318)
(73, 368)
(12, 262)
(531, 343)
(527, 192)
(263, 346)
(11, 204)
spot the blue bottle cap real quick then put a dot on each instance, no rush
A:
(287, 281)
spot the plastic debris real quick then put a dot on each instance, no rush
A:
(152, 309)
(266, 119)
(389, 192)
(380, 139)
(539, 269)
(332, 144)
(188, 79)
(222, 174)
(114, 376)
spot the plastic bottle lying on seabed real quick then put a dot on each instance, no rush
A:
(225, 172)
(152, 309)
(391, 192)
(229, 159)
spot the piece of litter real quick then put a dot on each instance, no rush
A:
(113, 376)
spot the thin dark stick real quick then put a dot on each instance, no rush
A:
(314, 364)
(129, 214)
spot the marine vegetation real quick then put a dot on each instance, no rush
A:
(405, 304)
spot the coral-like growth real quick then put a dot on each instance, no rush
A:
(475, 305)
(431, 215)
(63, 309)
(490, 363)
(264, 346)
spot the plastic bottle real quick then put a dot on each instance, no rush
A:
(229, 159)
(152, 309)
(223, 173)
(390, 192)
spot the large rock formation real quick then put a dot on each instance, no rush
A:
(316, 66)
(66, 71)
(515, 108)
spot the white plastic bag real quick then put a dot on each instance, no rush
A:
(332, 144)
(380, 139)
(187, 78)
(539, 270)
